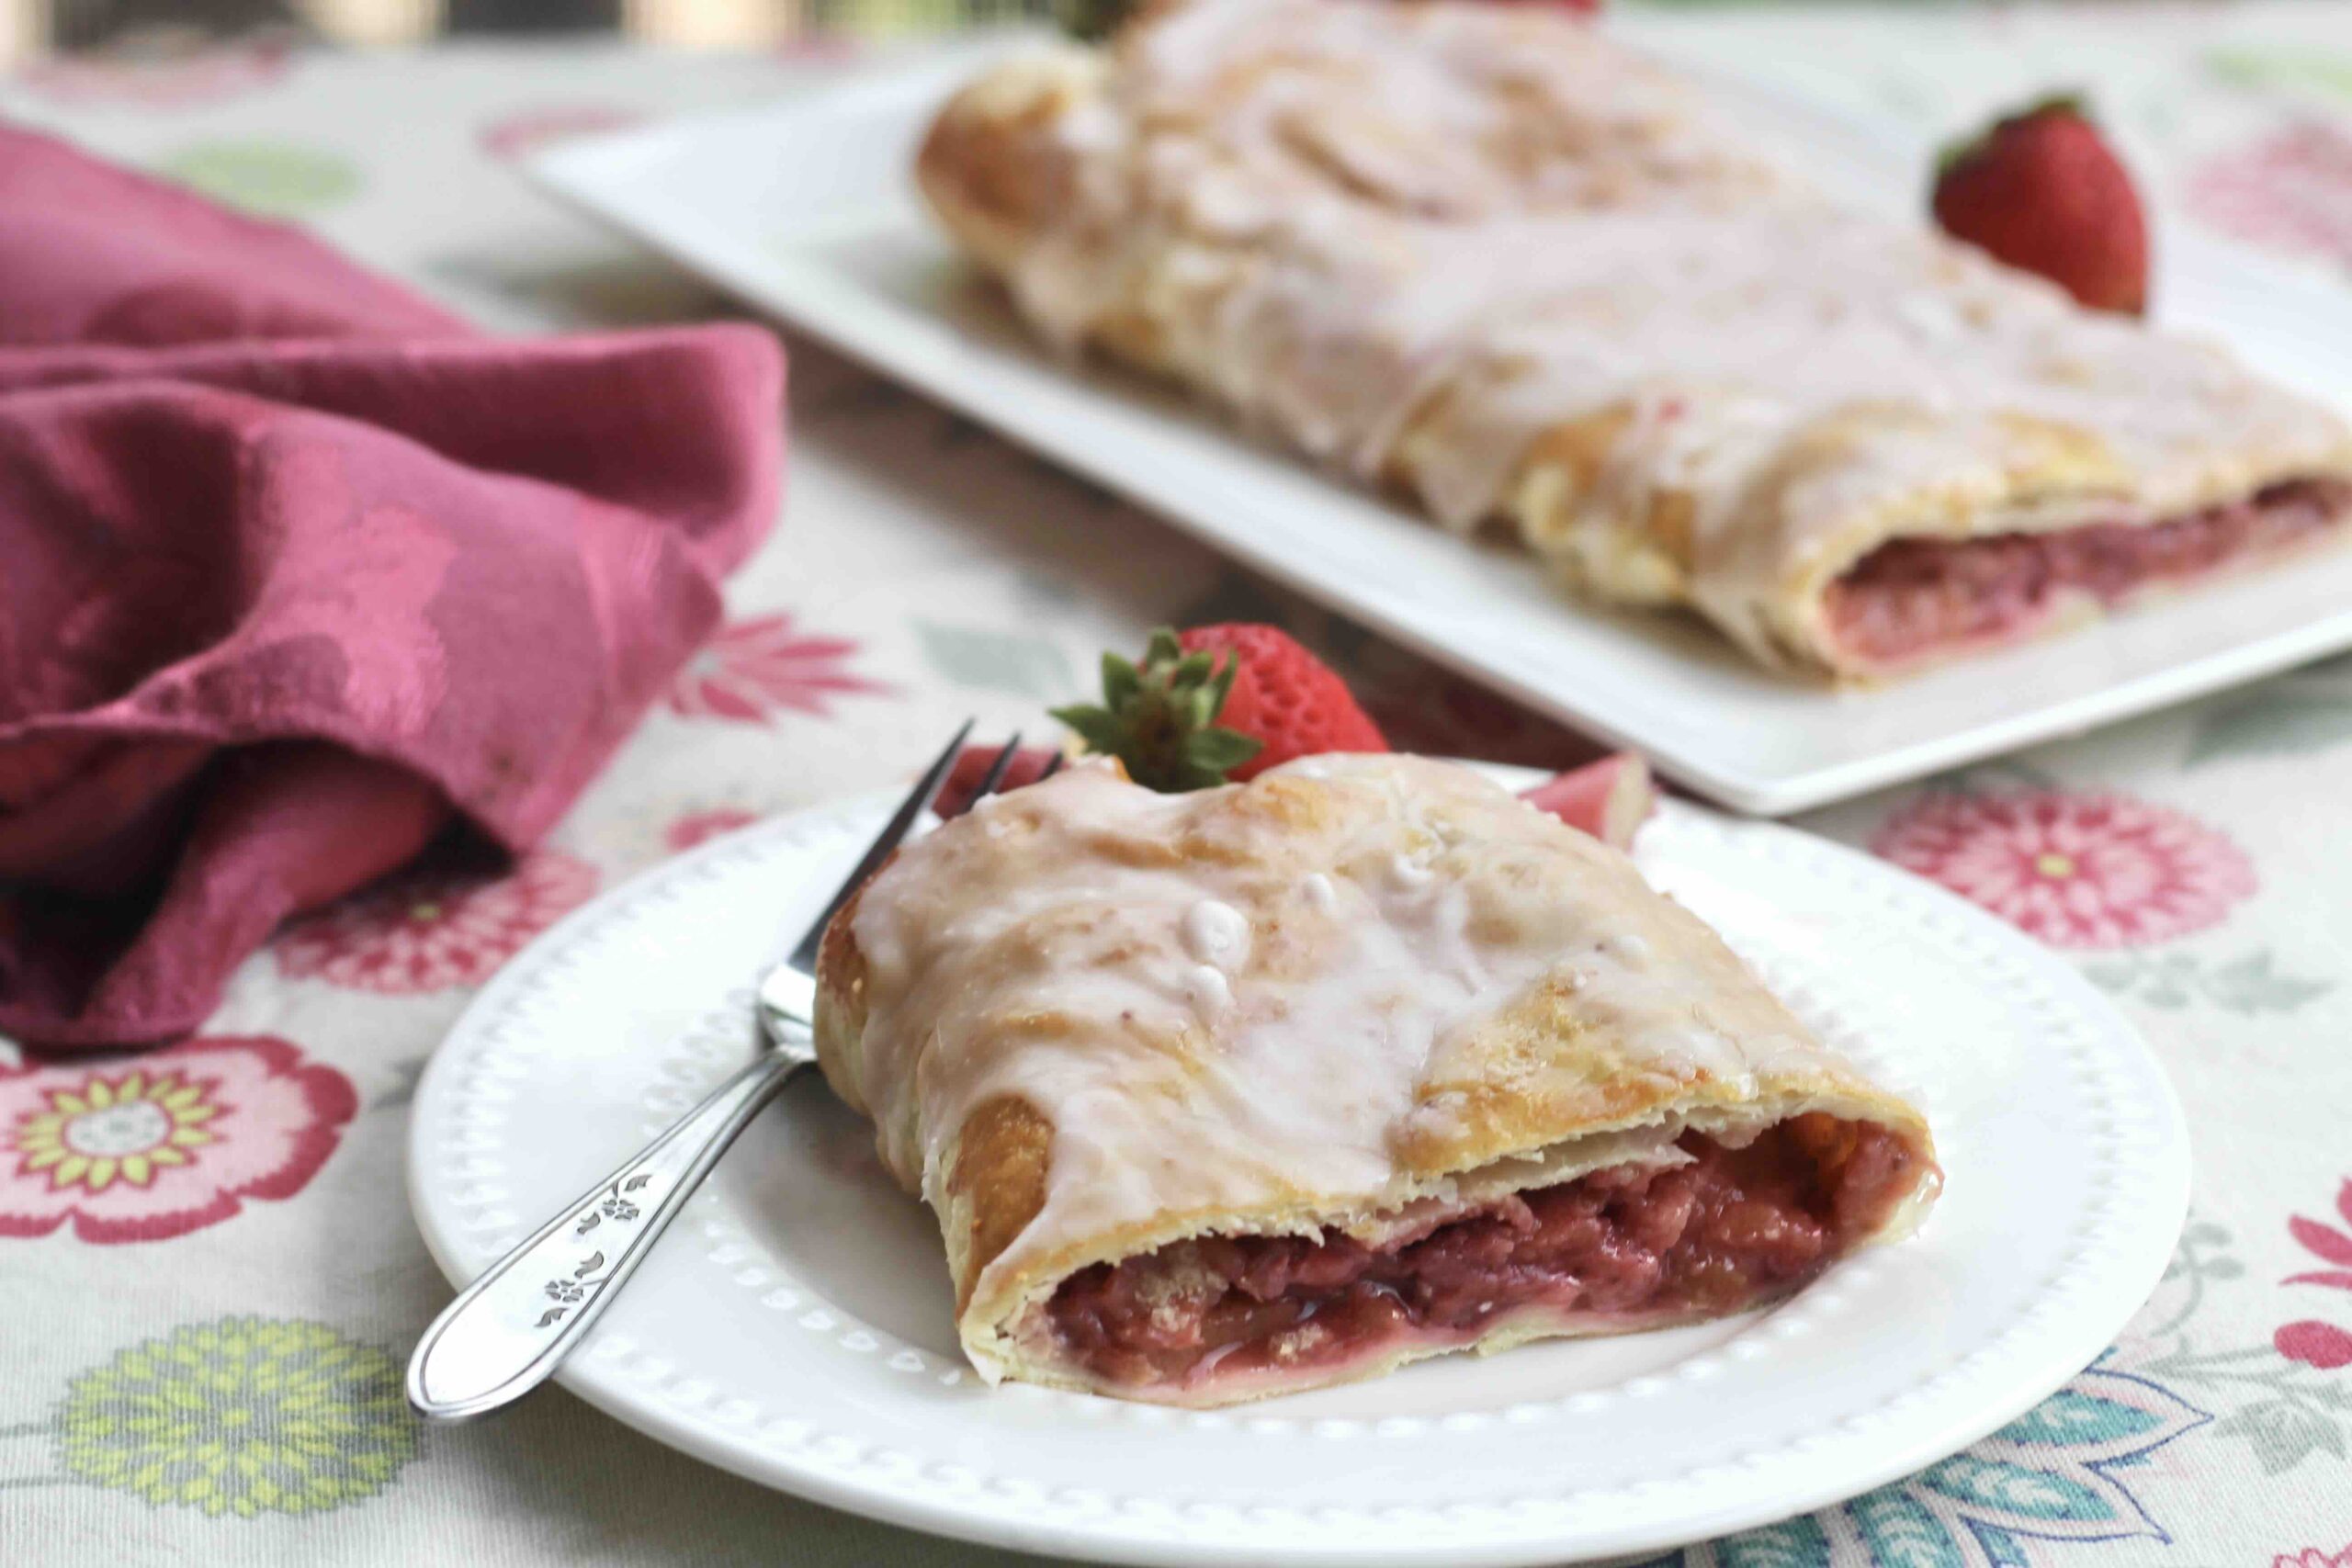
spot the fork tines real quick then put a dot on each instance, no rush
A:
(997, 770)
(894, 833)
(902, 822)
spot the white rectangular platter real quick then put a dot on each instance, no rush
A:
(806, 210)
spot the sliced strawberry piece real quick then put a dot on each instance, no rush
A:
(1608, 799)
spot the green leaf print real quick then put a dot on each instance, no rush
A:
(271, 179)
(2002, 1549)
(1902, 1533)
(2070, 1417)
(242, 1415)
(2250, 985)
(999, 661)
(2059, 1472)
(1798, 1543)
(2283, 1434)
(2289, 718)
(2039, 1494)
(2260, 68)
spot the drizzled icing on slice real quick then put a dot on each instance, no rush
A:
(1218, 933)
(1320, 896)
(1226, 1000)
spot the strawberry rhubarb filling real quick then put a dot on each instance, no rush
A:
(1913, 598)
(1629, 1247)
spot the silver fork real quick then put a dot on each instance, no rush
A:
(508, 1331)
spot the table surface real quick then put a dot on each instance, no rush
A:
(171, 1373)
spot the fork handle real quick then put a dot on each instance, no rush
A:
(507, 1331)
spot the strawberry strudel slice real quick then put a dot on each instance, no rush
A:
(1483, 256)
(1279, 1085)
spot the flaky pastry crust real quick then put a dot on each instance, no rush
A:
(1089, 1021)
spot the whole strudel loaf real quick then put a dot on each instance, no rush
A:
(1482, 256)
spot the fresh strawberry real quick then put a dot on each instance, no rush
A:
(1028, 765)
(1608, 799)
(2042, 190)
(1220, 702)
(1283, 696)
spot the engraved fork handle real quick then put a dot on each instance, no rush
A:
(507, 1331)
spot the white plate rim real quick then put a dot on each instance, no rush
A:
(2132, 1261)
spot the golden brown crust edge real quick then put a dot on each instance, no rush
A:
(993, 180)
(998, 1162)
(841, 1004)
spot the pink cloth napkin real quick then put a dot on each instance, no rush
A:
(294, 567)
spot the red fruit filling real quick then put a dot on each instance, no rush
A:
(1910, 597)
(1627, 1245)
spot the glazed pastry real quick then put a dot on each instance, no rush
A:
(1480, 255)
(1284, 1084)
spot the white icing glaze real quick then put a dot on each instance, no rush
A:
(1218, 935)
(1480, 224)
(1207, 989)
(1222, 996)
(1407, 871)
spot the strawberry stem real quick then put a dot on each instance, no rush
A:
(1159, 716)
(1961, 149)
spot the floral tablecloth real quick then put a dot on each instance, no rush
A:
(208, 1276)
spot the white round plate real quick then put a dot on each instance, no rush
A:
(794, 1327)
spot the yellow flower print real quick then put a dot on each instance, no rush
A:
(244, 1416)
(121, 1129)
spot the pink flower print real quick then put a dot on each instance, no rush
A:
(2321, 1345)
(2315, 1344)
(175, 74)
(520, 135)
(2312, 1557)
(166, 1145)
(701, 826)
(753, 670)
(2327, 1244)
(2293, 190)
(432, 930)
(2089, 870)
